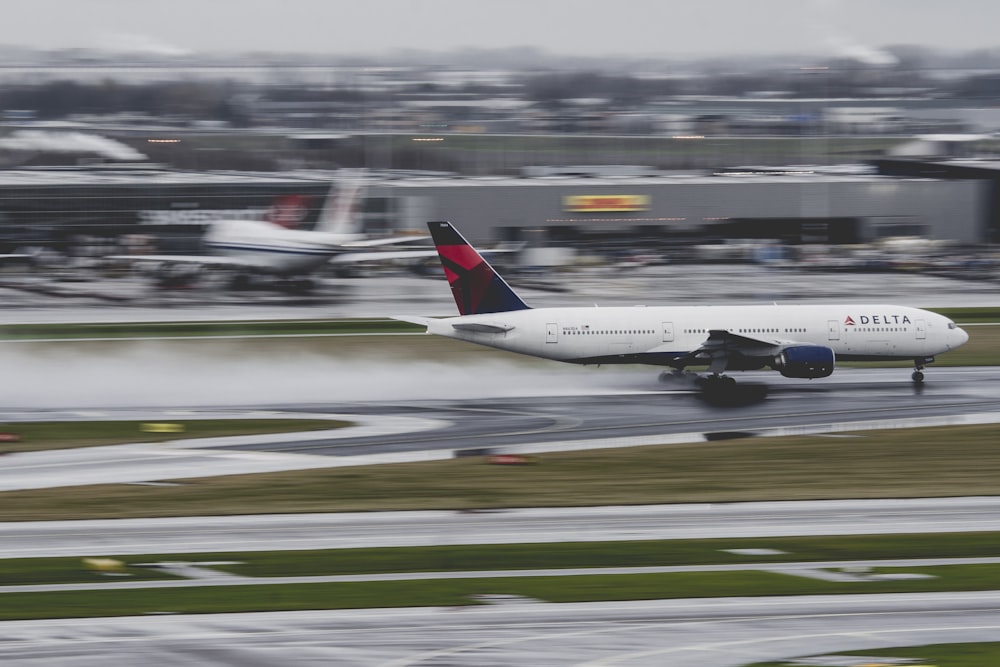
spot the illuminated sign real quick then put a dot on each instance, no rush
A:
(605, 203)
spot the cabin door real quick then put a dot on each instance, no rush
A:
(552, 333)
(833, 329)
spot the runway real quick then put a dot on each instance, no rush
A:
(618, 409)
(725, 632)
(538, 525)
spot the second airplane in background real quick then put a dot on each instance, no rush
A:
(798, 341)
(250, 248)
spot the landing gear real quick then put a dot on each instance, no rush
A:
(298, 285)
(715, 381)
(240, 282)
(918, 369)
(675, 376)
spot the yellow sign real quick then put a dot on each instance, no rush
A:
(161, 428)
(605, 203)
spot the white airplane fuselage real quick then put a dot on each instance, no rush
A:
(656, 335)
(270, 248)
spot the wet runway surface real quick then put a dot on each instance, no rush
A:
(758, 406)
(725, 632)
(622, 409)
(532, 525)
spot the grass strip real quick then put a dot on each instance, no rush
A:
(460, 592)
(40, 436)
(904, 463)
(457, 558)
(970, 315)
(937, 655)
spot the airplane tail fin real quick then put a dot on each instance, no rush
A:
(341, 212)
(288, 211)
(476, 286)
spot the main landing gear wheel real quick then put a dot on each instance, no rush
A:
(918, 377)
(715, 381)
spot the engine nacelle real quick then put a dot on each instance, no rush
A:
(805, 361)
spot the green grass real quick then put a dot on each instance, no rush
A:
(39, 436)
(906, 463)
(453, 592)
(607, 554)
(938, 655)
(73, 570)
(971, 315)
(452, 558)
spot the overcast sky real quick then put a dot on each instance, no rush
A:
(585, 27)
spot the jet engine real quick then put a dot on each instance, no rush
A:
(805, 361)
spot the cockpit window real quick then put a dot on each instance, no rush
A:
(952, 325)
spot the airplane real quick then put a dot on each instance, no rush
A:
(259, 247)
(798, 341)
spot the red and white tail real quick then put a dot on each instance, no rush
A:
(341, 213)
(476, 285)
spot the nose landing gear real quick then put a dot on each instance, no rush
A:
(918, 369)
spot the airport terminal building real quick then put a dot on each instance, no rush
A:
(799, 206)
(794, 207)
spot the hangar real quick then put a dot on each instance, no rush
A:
(795, 205)
(984, 171)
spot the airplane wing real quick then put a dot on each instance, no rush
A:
(722, 339)
(355, 257)
(391, 240)
(197, 260)
(722, 345)
(351, 257)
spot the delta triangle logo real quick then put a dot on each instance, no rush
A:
(849, 322)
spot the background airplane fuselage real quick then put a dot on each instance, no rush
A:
(656, 335)
(274, 249)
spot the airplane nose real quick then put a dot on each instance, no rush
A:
(961, 337)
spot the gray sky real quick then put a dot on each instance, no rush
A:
(585, 27)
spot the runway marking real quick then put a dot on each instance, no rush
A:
(606, 662)
(617, 627)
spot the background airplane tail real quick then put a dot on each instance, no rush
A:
(476, 286)
(341, 212)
